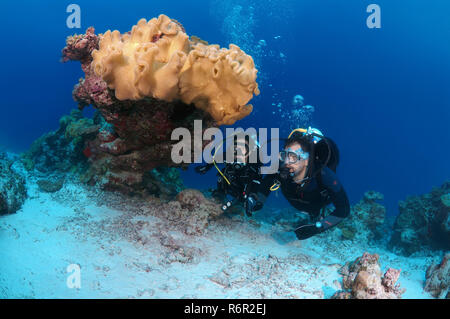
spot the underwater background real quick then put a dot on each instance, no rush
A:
(381, 94)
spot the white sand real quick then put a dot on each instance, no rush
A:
(124, 252)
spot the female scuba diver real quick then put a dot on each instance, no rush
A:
(239, 178)
(308, 181)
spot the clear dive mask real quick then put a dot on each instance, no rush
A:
(292, 157)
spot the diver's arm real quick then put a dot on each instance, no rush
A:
(260, 190)
(338, 197)
(342, 210)
(264, 188)
(340, 201)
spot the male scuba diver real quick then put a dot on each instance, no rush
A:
(239, 178)
(308, 181)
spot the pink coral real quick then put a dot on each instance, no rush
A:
(438, 278)
(80, 47)
(362, 280)
(390, 278)
(193, 211)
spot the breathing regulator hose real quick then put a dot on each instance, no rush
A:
(215, 164)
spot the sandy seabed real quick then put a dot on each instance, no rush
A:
(125, 251)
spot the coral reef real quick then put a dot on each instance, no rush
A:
(157, 59)
(423, 222)
(164, 182)
(367, 219)
(438, 278)
(61, 151)
(66, 151)
(144, 84)
(79, 47)
(138, 141)
(12, 186)
(191, 211)
(362, 280)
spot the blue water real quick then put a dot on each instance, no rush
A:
(382, 94)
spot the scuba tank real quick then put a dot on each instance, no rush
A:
(325, 149)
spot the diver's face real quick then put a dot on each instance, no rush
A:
(297, 167)
(241, 154)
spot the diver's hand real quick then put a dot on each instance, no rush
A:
(308, 230)
(284, 173)
(252, 205)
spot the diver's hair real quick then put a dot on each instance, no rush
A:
(300, 138)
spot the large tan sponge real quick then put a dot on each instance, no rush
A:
(157, 59)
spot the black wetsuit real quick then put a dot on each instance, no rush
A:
(244, 181)
(315, 194)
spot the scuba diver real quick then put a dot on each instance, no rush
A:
(308, 181)
(239, 178)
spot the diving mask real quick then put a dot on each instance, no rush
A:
(293, 156)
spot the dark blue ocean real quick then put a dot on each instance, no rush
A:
(382, 94)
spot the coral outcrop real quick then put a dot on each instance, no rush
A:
(12, 186)
(79, 47)
(137, 141)
(362, 280)
(61, 151)
(423, 222)
(191, 211)
(147, 82)
(367, 219)
(157, 59)
(164, 182)
(66, 151)
(438, 278)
